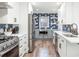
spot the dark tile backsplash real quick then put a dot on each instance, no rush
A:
(66, 27)
(3, 26)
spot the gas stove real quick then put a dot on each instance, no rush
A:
(8, 41)
(6, 38)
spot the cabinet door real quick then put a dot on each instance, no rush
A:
(21, 47)
(65, 13)
(25, 44)
(75, 12)
(59, 45)
(53, 38)
(21, 51)
(72, 49)
(68, 13)
(63, 47)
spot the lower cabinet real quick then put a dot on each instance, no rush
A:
(66, 48)
(23, 45)
(72, 50)
(61, 46)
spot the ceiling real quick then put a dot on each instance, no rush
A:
(46, 7)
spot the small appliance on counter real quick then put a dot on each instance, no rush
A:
(74, 29)
(15, 30)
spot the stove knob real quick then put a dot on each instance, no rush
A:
(5, 46)
(1, 48)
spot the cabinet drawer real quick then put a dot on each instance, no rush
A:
(20, 42)
(21, 52)
(21, 38)
(20, 45)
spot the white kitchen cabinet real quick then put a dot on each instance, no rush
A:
(61, 46)
(69, 13)
(13, 13)
(66, 48)
(75, 12)
(10, 15)
(72, 49)
(23, 45)
(65, 13)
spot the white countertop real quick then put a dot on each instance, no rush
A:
(70, 39)
(18, 35)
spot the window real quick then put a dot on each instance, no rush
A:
(43, 22)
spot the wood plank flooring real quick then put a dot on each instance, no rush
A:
(42, 48)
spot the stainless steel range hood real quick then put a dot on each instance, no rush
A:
(4, 5)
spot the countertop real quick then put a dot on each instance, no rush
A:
(70, 39)
(18, 35)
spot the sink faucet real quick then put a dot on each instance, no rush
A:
(74, 29)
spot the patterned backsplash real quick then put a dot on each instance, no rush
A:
(3, 26)
(66, 27)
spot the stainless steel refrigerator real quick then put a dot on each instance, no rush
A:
(30, 32)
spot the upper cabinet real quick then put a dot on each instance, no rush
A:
(13, 13)
(75, 12)
(5, 5)
(65, 13)
(69, 13)
(9, 12)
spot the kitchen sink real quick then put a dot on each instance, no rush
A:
(70, 35)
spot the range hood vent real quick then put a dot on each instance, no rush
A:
(4, 5)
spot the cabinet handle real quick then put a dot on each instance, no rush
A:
(20, 46)
(60, 45)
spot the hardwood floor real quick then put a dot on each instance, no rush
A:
(42, 48)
